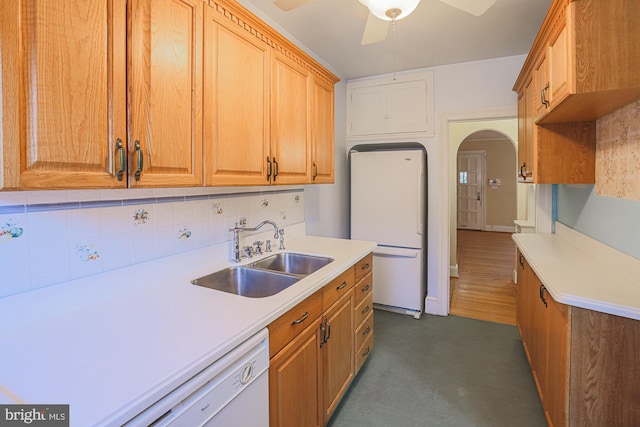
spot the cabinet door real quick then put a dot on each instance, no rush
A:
(557, 401)
(539, 337)
(521, 297)
(559, 66)
(541, 90)
(367, 110)
(522, 135)
(295, 387)
(165, 93)
(236, 104)
(338, 352)
(63, 93)
(529, 128)
(322, 132)
(290, 121)
(406, 104)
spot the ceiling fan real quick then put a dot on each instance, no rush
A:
(383, 12)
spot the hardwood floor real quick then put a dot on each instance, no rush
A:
(485, 288)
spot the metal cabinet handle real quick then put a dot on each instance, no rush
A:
(304, 317)
(315, 170)
(542, 289)
(323, 340)
(269, 168)
(328, 330)
(344, 285)
(367, 351)
(521, 261)
(365, 289)
(523, 174)
(365, 267)
(366, 331)
(140, 153)
(365, 310)
(123, 159)
(275, 169)
(543, 96)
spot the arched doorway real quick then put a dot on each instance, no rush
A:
(486, 206)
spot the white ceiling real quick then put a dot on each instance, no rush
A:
(434, 34)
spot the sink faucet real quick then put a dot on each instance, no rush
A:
(236, 236)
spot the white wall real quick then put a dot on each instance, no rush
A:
(327, 205)
(458, 88)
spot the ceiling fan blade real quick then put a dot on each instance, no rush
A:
(474, 7)
(290, 4)
(375, 31)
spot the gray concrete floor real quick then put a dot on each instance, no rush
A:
(442, 372)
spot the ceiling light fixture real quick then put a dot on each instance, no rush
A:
(391, 10)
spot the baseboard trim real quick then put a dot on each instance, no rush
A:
(432, 306)
(453, 271)
(501, 228)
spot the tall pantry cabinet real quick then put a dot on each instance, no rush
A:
(65, 99)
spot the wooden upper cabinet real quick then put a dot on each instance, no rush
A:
(237, 70)
(290, 121)
(591, 59)
(63, 93)
(322, 132)
(538, 96)
(268, 107)
(165, 92)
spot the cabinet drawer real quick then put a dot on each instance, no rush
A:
(363, 267)
(364, 287)
(363, 309)
(337, 287)
(363, 352)
(293, 322)
(364, 331)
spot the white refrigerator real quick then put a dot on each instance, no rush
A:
(388, 206)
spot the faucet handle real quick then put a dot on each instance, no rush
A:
(248, 252)
(258, 245)
(268, 246)
(281, 233)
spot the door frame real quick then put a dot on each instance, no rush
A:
(439, 303)
(483, 169)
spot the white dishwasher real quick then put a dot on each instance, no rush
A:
(233, 391)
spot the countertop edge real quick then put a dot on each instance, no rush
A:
(574, 276)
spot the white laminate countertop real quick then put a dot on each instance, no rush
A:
(111, 345)
(579, 271)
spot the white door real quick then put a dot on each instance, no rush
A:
(387, 201)
(470, 190)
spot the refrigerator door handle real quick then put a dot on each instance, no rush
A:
(421, 203)
(396, 252)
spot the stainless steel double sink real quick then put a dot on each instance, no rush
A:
(265, 277)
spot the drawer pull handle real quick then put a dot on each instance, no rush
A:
(300, 320)
(344, 285)
(367, 351)
(365, 310)
(366, 331)
(365, 289)
(365, 267)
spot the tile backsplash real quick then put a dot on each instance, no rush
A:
(48, 237)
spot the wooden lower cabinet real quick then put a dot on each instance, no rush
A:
(295, 375)
(337, 352)
(313, 351)
(584, 362)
